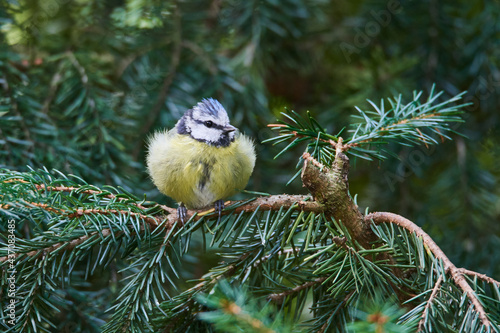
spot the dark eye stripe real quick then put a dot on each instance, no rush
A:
(214, 125)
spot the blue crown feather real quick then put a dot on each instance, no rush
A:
(211, 106)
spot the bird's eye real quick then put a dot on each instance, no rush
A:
(208, 123)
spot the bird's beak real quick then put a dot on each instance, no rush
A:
(229, 128)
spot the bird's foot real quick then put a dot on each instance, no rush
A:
(182, 213)
(219, 206)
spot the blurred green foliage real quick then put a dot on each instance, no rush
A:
(83, 83)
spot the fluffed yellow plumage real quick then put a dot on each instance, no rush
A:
(195, 173)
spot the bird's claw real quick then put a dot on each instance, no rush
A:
(182, 213)
(219, 206)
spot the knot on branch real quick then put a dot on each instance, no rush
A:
(330, 187)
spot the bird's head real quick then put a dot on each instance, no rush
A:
(207, 122)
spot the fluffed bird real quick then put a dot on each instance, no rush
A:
(202, 160)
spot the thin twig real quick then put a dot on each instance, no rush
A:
(70, 245)
(483, 277)
(435, 290)
(84, 78)
(307, 157)
(43, 187)
(278, 297)
(90, 192)
(336, 145)
(153, 221)
(54, 83)
(325, 325)
(279, 253)
(273, 202)
(340, 146)
(424, 140)
(456, 273)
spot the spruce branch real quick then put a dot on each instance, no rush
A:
(425, 313)
(145, 288)
(53, 86)
(328, 321)
(329, 186)
(278, 297)
(103, 194)
(280, 253)
(267, 203)
(81, 70)
(81, 110)
(68, 245)
(79, 212)
(247, 254)
(86, 189)
(407, 124)
(483, 277)
(416, 122)
(456, 273)
(184, 306)
(232, 307)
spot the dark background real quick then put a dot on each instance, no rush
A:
(83, 83)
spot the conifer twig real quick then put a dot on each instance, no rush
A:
(278, 297)
(280, 252)
(54, 83)
(233, 309)
(456, 273)
(335, 145)
(153, 221)
(325, 325)
(78, 190)
(69, 189)
(273, 202)
(67, 245)
(483, 277)
(408, 124)
(435, 290)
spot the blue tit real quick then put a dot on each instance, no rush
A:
(202, 160)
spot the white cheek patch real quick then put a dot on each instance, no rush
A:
(203, 133)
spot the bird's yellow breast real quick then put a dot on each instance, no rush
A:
(198, 174)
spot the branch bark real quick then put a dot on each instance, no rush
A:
(265, 203)
(329, 186)
(456, 273)
(435, 290)
(273, 202)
